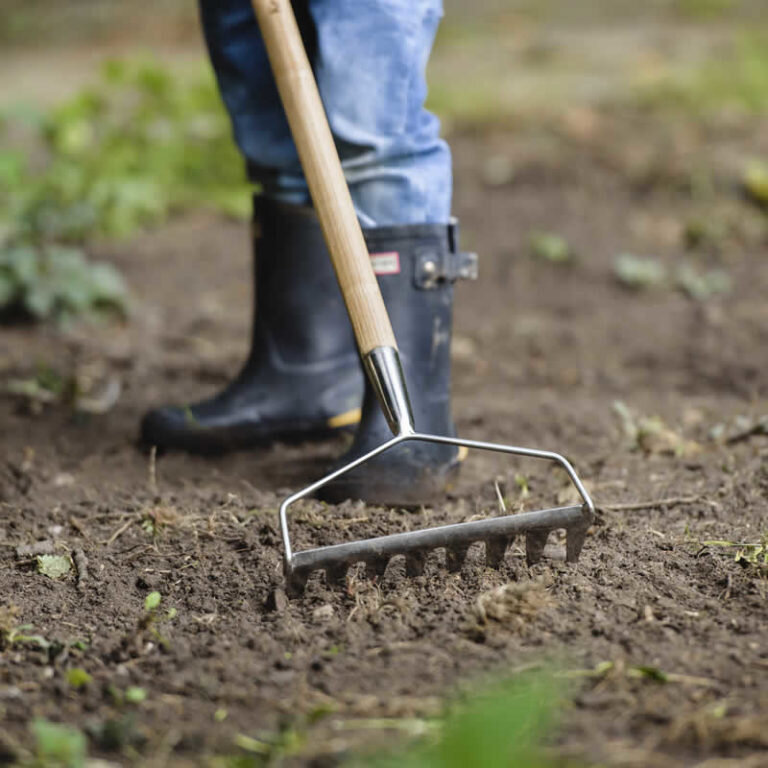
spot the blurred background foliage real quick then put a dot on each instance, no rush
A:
(117, 156)
(110, 120)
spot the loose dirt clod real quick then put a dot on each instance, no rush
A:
(277, 600)
(45, 547)
(513, 606)
(81, 565)
(323, 613)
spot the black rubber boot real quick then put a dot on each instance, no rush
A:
(302, 379)
(417, 266)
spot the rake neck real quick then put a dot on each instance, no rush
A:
(385, 372)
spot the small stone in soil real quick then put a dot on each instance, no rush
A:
(277, 600)
(323, 613)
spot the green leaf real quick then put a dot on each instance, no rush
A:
(40, 300)
(649, 673)
(54, 566)
(551, 247)
(59, 745)
(21, 263)
(107, 285)
(77, 677)
(135, 695)
(114, 158)
(499, 727)
(12, 168)
(249, 744)
(756, 182)
(75, 137)
(152, 601)
(703, 286)
(639, 272)
(233, 201)
(35, 640)
(8, 289)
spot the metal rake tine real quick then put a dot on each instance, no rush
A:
(336, 575)
(496, 550)
(535, 541)
(296, 583)
(575, 536)
(415, 563)
(455, 557)
(376, 567)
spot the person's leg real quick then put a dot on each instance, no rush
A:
(302, 378)
(370, 66)
(246, 85)
(369, 57)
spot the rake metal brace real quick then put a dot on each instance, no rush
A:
(378, 347)
(383, 367)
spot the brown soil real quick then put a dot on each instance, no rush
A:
(542, 352)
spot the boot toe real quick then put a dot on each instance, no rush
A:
(163, 427)
(192, 429)
(408, 475)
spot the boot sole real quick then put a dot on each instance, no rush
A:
(206, 444)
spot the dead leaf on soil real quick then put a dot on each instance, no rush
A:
(651, 434)
(582, 122)
(654, 436)
(711, 729)
(512, 606)
(8, 620)
(742, 428)
(619, 670)
(158, 517)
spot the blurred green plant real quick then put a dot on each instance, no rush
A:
(642, 273)
(550, 247)
(755, 183)
(736, 80)
(498, 727)
(116, 157)
(705, 9)
(58, 745)
(55, 281)
(639, 272)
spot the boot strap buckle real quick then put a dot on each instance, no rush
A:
(438, 266)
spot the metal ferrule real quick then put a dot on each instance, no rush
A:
(385, 372)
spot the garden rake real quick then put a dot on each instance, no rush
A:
(378, 350)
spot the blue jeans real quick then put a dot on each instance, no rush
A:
(369, 58)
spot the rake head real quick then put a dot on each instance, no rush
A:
(497, 533)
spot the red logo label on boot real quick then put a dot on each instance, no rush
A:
(386, 263)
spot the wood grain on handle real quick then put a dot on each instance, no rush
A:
(325, 178)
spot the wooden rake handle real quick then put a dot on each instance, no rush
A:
(325, 178)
